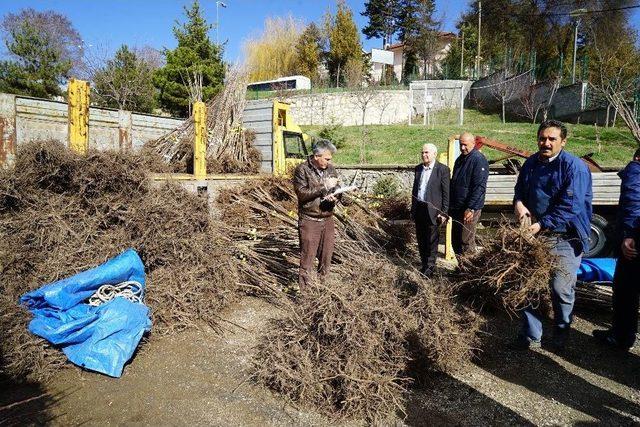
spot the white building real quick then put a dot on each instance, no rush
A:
(446, 39)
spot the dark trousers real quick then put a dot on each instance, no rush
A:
(463, 235)
(317, 239)
(427, 237)
(626, 296)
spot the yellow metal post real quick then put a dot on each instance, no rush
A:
(78, 94)
(200, 142)
(280, 112)
(449, 159)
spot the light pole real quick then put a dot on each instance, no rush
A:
(218, 3)
(575, 14)
(479, 39)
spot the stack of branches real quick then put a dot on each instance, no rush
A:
(350, 348)
(262, 218)
(229, 147)
(61, 213)
(511, 271)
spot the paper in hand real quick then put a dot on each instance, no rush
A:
(343, 190)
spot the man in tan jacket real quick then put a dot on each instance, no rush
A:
(314, 181)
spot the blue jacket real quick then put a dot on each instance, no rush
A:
(629, 204)
(558, 194)
(469, 182)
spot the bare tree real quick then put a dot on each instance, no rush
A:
(538, 97)
(508, 87)
(614, 72)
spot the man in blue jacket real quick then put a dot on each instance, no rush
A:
(466, 195)
(626, 282)
(553, 199)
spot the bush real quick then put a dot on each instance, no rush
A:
(333, 132)
(387, 186)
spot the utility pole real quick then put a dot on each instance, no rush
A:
(575, 14)
(479, 39)
(218, 3)
(462, 55)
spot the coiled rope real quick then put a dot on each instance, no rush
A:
(130, 290)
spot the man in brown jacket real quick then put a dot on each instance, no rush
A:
(314, 182)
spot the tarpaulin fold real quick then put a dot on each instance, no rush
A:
(101, 338)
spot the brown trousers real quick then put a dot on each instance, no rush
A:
(317, 239)
(463, 235)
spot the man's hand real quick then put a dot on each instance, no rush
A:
(330, 198)
(523, 214)
(468, 216)
(330, 183)
(534, 228)
(441, 219)
(628, 247)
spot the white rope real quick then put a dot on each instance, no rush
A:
(129, 290)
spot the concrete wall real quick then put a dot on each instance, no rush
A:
(385, 107)
(25, 119)
(445, 94)
(567, 103)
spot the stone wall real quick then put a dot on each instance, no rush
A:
(24, 119)
(384, 107)
(365, 177)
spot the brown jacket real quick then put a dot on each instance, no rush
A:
(310, 190)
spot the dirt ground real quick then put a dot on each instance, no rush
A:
(201, 378)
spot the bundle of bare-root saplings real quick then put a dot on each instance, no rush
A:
(61, 213)
(348, 347)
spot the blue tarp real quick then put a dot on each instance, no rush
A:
(101, 338)
(597, 269)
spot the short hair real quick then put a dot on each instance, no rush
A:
(323, 145)
(636, 154)
(553, 124)
(431, 147)
(468, 135)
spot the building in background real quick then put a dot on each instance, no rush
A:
(433, 67)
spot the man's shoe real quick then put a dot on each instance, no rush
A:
(525, 343)
(607, 338)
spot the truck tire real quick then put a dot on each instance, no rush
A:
(599, 238)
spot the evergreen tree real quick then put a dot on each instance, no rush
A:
(309, 52)
(195, 56)
(344, 42)
(383, 20)
(125, 83)
(419, 31)
(40, 59)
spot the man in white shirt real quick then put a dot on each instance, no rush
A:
(429, 205)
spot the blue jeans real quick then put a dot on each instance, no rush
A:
(563, 283)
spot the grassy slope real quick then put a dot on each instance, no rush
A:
(401, 144)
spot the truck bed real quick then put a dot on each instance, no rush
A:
(606, 189)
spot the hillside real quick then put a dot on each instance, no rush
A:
(400, 144)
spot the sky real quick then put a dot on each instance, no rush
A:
(106, 24)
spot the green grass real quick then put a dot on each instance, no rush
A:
(401, 144)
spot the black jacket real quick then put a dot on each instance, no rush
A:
(437, 191)
(469, 182)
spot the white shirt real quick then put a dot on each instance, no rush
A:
(424, 180)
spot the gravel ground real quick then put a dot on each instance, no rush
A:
(200, 378)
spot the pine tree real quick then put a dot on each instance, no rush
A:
(195, 56)
(125, 83)
(344, 42)
(40, 59)
(308, 51)
(419, 32)
(383, 19)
